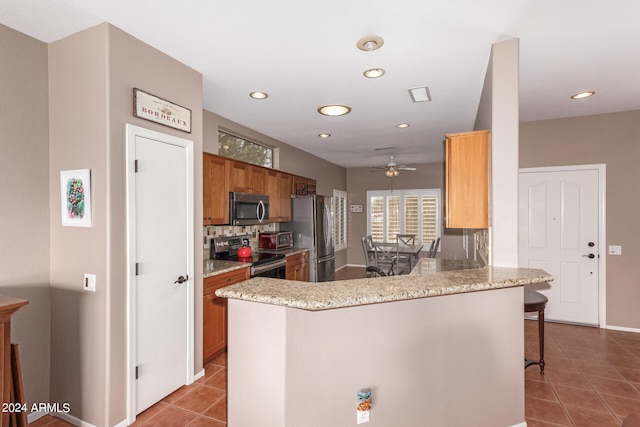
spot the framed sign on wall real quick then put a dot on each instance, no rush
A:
(150, 107)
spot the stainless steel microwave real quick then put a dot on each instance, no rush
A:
(248, 209)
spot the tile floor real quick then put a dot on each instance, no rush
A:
(592, 378)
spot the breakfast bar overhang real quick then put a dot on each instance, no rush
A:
(442, 348)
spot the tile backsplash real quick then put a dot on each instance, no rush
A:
(233, 230)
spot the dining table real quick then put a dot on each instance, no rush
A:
(411, 251)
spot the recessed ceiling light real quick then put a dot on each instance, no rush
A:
(583, 95)
(420, 94)
(370, 43)
(324, 135)
(334, 110)
(259, 95)
(374, 73)
(403, 125)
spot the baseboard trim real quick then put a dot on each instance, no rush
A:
(622, 329)
(71, 419)
(522, 424)
(199, 375)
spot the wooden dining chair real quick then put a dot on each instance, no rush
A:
(406, 239)
(433, 249)
(386, 257)
(369, 251)
(404, 261)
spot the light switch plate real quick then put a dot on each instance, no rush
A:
(89, 282)
(615, 250)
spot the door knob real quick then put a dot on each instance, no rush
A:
(591, 244)
(591, 256)
(181, 279)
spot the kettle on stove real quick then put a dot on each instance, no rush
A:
(244, 251)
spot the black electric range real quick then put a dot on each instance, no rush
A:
(262, 264)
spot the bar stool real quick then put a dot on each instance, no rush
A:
(535, 301)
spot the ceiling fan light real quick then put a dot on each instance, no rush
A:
(388, 173)
(420, 94)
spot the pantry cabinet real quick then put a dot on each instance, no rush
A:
(298, 267)
(467, 179)
(215, 186)
(214, 311)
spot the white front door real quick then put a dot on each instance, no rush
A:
(559, 233)
(161, 280)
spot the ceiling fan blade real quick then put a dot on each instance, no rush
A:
(406, 168)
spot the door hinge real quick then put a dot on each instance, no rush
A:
(137, 372)
(135, 166)
(137, 268)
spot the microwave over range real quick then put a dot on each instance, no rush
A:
(248, 209)
(275, 240)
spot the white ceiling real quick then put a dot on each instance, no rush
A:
(303, 53)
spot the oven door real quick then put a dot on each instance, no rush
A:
(276, 270)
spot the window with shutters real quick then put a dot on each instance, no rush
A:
(339, 220)
(404, 212)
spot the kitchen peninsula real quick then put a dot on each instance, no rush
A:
(435, 347)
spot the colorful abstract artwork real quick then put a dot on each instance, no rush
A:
(75, 189)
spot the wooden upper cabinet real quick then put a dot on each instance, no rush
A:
(467, 179)
(278, 188)
(222, 175)
(303, 186)
(246, 178)
(215, 186)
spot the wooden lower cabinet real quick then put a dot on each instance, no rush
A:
(298, 267)
(214, 312)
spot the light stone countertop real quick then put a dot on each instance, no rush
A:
(425, 281)
(213, 267)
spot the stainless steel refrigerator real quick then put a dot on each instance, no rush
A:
(312, 229)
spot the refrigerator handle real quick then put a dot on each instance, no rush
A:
(327, 226)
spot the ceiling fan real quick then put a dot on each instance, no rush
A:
(392, 169)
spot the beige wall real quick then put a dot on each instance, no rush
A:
(359, 180)
(611, 139)
(328, 176)
(92, 75)
(24, 210)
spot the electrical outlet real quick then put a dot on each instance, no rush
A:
(89, 282)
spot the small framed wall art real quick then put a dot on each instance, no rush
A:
(75, 200)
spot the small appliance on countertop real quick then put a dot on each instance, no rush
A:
(229, 248)
(275, 240)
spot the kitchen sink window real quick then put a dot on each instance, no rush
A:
(238, 148)
(339, 219)
(404, 212)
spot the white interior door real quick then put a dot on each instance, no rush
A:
(161, 242)
(559, 232)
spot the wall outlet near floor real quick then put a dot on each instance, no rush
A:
(89, 282)
(615, 250)
(363, 412)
